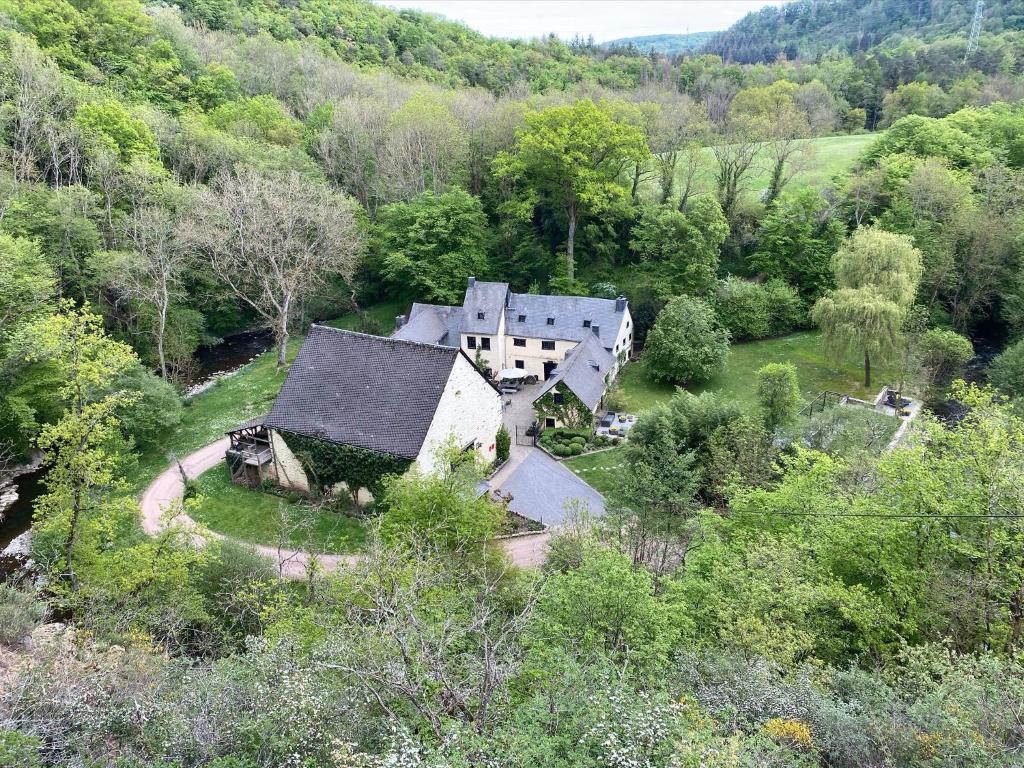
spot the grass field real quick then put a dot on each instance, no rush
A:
(258, 518)
(598, 469)
(737, 381)
(826, 157)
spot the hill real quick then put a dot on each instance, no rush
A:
(807, 28)
(667, 45)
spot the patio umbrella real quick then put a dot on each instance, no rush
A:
(511, 374)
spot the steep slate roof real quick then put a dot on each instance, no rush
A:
(579, 375)
(542, 488)
(368, 391)
(569, 313)
(485, 297)
(432, 324)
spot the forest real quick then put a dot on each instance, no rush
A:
(770, 586)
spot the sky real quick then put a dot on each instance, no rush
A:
(604, 19)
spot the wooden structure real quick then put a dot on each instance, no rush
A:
(250, 456)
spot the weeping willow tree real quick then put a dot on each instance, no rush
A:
(859, 321)
(877, 273)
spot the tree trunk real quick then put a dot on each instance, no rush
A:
(668, 176)
(775, 186)
(282, 340)
(570, 262)
(867, 370)
(161, 332)
(636, 181)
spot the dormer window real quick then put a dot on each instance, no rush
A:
(522, 318)
(551, 321)
(586, 323)
(480, 315)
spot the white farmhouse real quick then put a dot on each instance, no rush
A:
(391, 397)
(539, 334)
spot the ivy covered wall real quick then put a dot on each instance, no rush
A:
(326, 464)
(570, 412)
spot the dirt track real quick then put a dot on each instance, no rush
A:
(167, 487)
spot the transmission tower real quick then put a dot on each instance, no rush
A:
(972, 40)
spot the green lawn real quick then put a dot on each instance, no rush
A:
(737, 381)
(257, 517)
(381, 317)
(598, 469)
(827, 156)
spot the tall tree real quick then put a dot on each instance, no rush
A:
(877, 273)
(154, 270)
(273, 239)
(571, 158)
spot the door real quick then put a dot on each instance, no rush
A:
(549, 366)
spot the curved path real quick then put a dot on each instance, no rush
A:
(166, 489)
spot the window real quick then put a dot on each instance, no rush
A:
(485, 342)
(518, 342)
(627, 323)
(522, 318)
(471, 342)
(549, 422)
(586, 323)
(520, 364)
(547, 345)
(480, 315)
(551, 321)
(559, 398)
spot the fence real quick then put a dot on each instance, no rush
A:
(527, 435)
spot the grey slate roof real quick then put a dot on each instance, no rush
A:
(432, 324)
(256, 421)
(488, 298)
(569, 313)
(542, 488)
(578, 373)
(368, 391)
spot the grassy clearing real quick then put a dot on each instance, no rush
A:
(737, 381)
(826, 157)
(381, 316)
(258, 518)
(600, 469)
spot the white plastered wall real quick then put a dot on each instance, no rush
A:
(289, 471)
(469, 410)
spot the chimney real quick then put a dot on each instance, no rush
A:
(472, 282)
(596, 329)
(399, 321)
(594, 365)
(620, 304)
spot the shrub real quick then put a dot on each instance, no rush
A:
(581, 441)
(687, 342)
(778, 392)
(560, 450)
(226, 578)
(753, 311)
(943, 356)
(1007, 370)
(575, 449)
(616, 440)
(20, 613)
(502, 445)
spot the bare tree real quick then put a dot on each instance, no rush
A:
(273, 239)
(786, 150)
(154, 270)
(735, 153)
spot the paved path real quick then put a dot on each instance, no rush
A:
(166, 489)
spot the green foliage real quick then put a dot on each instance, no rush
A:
(687, 342)
(502, 445)
(681, 249)
(430, 245)
(326, 464)
(778, 392)
(562, 404)
(943, 355)
(154, 410)
(1007, 370)
(113, 129)
(444, 508)
(569, 159)
(797, 240)
(19, 750)
(258, 117)
(752, 311)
